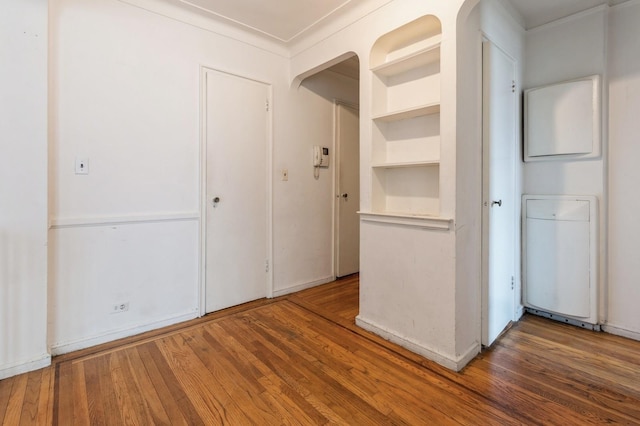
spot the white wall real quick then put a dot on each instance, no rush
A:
(624, 173)
(408, 276)
(303, 205)
(23, 186)
(562, 50)
(600, 41)
(152, 266)
(125, 93)
(469, 179)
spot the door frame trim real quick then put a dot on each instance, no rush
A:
(336, 181)
(203, 185)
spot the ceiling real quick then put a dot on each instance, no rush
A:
(286, 20)
(282, 20)
(539, 12)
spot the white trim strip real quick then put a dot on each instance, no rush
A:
(561, 21)
(57, 223)
(619, 331)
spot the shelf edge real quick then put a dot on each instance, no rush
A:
(400, 165)
(380, 69)
(408, 113)
(416, 221)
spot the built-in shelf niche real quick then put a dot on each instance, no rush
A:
(405, 160)
(402, 87)
(411, 190)
(415, 139)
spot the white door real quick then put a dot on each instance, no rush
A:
(499, 224)
(237, 238)
(348, 190)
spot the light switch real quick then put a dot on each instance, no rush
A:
(82, 166)
(285, 174)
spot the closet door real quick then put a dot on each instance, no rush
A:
(348, 191)
(237, 231)
(499, 220)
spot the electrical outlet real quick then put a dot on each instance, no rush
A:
(120, 307)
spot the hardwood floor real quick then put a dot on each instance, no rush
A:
(300, 359)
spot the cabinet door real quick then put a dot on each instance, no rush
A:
(558, 253)
(558, 266)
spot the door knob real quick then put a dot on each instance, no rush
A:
(215, 201)
(499, 203)
(345, 195)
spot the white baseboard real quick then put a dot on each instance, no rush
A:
(76, 345)
(455, 364)
(468, 356)
(612, 329)
(24, 367)
(302, 286)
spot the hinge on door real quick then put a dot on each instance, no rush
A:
(266, 104)
(513, 86)
(512, 282)
(266, 265)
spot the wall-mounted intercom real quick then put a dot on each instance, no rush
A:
(320, 159)
(320, 156)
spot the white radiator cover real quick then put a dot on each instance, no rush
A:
(560, 249)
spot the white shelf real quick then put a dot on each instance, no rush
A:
(407, 113)
(406, 93)
(418, 221)
(396, 165)
(423, 57)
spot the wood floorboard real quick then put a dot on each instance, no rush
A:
(301, 360)
(5, 392)
(580, 370)
(585, 341)
(16, 398)
(45, 401)
(365, 372)
(244, 349)
(174, 399)
(30, 402)
(93, 392)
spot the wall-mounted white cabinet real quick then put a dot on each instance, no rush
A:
(406, 120)
(560, 262)
(562, 120)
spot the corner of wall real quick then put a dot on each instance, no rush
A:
(21, 367)
(23, 186)
(455, 363)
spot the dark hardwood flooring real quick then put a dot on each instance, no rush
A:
(300, 359)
